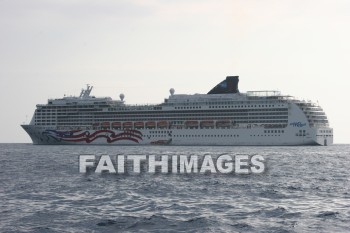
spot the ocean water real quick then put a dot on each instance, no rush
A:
(304, 189)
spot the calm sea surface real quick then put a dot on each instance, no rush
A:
(304, 189)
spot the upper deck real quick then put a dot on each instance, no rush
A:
(223, 102)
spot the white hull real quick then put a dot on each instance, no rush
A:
(195, 137)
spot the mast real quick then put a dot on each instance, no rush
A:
(85, 93)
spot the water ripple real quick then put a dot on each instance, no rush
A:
(305, 189)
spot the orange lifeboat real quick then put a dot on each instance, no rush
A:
(162, 124)
(223, 124)
(139, 125)
(105, 124)
(116, 125)
(191, 123)
(150, 125)
(127, 125)
(204, 124)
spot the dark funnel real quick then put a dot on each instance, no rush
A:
(228, 86)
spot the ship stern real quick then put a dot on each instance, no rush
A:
(323, 136)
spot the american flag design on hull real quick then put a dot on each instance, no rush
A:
(88, 137)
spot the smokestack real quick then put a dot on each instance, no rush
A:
(228, 86)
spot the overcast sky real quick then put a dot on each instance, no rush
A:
(143, 48)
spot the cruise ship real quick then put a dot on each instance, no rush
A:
(222, 117)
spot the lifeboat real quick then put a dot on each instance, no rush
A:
(150, 125)
(204, 124)
(162, 124)
(127, 125)
(191, 123)
(223, 124)
(105, 124)
(96, 124)
(116, 125)
(139, 125)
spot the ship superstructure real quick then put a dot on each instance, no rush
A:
(223, 116)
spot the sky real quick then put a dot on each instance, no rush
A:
(144, 48)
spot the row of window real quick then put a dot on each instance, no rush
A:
(246, 106)
(142, 111)
(230, 106)
(214, 135)
(184, 118)
(321, 117)
(207, 135)
(266, 135)
(195, 107)
(273, 131)
(89, 123)
(189, 117)
(246, 121)
(80, 116)
(318, 121)
(162, 131)
(167, 114)
(315, 113)
(104, 115)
